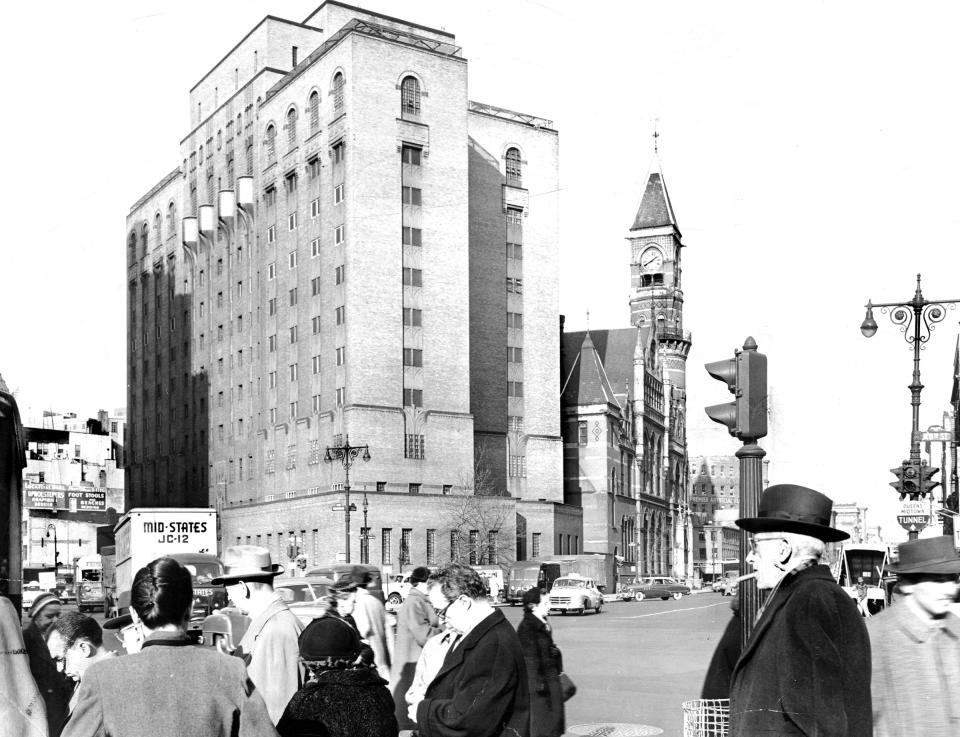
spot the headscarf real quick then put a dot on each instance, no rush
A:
(22, 710)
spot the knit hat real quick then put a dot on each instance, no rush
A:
(328, 637)
(44, 600)
(419, 575)
(532, 596)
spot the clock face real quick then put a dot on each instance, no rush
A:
(651, 259)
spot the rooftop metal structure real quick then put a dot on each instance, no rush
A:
(499, 112)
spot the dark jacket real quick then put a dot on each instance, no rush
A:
(341, 703)
(417, 622)
(716, 685)
(806, 668)
(55, 688)
(544, 664)
(481, 688)
(169, 689)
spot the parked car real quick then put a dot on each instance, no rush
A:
(336, 571)
(31, 590)
(575, 593)
(655, 587)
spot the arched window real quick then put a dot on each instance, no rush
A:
(156, 227)
(143, 241)
(410, 96)
(249, 159)
(271, 143)
(292, 127)
(171, 219)
(313, 106)
(239, 123)
(338, 92)
(132, 247)
(513, 166)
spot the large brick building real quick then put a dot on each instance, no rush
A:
(360, 261)
(624, 409)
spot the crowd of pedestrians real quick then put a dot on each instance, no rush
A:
(456, 667)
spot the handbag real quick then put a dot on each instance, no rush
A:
(567, 687)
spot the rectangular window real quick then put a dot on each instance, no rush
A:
(514, 354)
(292, 260)
(338, 194)
(272, 306)
(413, 447)
(535, 547)
(412, 236)
(315, 324)
(338, 235)
(293, 371)
(412, 277)
(412, 196)
(385, 547)
(341, 315)
(412, 317)
(314, 208)
(454, 545)
(292, 221)
(290, 182)
(411, 155)
(338, 152)
(514, 216)
(313, 167)
(474, 539)
(341, 395)
(271, 271)
(315, 364)
(493, 546)
(239, 323)
(293, 410)
(219, 333)
(219, 399)
(412, 357)
(515, 320)
(272, 343)
(219, 299)
(405, 534)
(270, 196)
(341, 355)
(381, 486)
(272, 379)
(340, 274)
(239, 289)
(515, 250)
(446, 489)
(314, 248)
(582, 429)
(413, 397)
(514, 388)
(315, 404)
(201, 309)
(315, 286)
(292, 296)
(273, 415)
(431, 547)
(293, 333)
(272, 234)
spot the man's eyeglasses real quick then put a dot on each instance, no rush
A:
(755, 541)
(442, 613)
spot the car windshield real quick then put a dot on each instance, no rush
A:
(204, 573)
(298, 592)
(570, 583)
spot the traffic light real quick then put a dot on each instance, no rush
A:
(911, 481)
(927, 484)
(746, 378)
(898, 484)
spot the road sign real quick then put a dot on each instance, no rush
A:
(937, 436)
(914, 508)
(908, 520)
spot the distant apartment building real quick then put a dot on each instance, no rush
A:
(73, 483)
(349, 252)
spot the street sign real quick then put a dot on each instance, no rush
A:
(339, 508)
(937, 436)
(914, 508)
(907, 520)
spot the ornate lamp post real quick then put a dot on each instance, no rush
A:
(914, 478)
(56, 552)
(347, 454)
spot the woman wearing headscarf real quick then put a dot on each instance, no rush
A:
(343, 696)
(544, 665)
(22, 710)
(171, 687)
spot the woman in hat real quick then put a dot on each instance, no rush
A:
(916, 644)
(55, 688)
(343, 696)
(171, 687)
(544, 665)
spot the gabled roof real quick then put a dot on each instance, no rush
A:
(597, 366)
(655, 208)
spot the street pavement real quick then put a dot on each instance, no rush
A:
(635, 663)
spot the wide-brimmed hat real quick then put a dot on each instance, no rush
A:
(243, 562)
(792, 508)
(328, 637)
(929, 555)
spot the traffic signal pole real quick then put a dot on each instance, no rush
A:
(746, 419)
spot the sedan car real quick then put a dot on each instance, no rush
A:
(31, 590)
(654, 587)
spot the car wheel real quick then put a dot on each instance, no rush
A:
(677, 595)
(580, 612)
(639, 596)
(395, 599)
(599, 607)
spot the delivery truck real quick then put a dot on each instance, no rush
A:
(189, 536)
(599, 567)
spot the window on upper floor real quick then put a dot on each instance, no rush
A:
(338, 84)
(411, 155)
(313, 110)
(513, 167)
(271, 143)
(410, 96)
(292, 127)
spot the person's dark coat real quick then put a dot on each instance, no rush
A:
(544, 665)
(716, 685)
(417, 622)
(341, 703)
(806, 667)
(55, 688)
(481, 688)
(171, 688)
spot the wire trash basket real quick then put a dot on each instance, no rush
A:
(706, 718)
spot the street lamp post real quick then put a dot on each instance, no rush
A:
(56, 553)
(921, 315)
(347, 454)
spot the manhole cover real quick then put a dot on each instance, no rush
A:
(610, 729)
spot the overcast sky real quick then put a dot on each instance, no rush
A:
(810, 151)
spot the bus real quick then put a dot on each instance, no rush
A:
(87, 575)
(861, 570)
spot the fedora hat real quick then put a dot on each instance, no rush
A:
(792, 508)
(929, 555)
(243, 562)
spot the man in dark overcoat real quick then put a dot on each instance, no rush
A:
(481, 688)
(806, 667)
(417, 622)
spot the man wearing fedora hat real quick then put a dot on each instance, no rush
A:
(269, 645)
(806, 668)
(916, 645)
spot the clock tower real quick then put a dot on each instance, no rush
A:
(656, 294)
